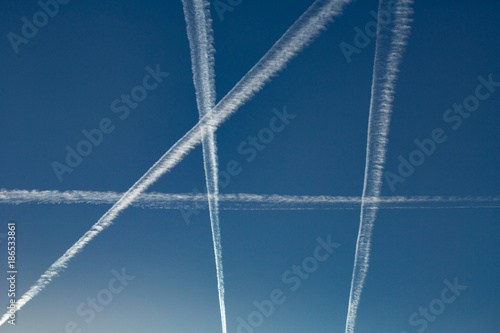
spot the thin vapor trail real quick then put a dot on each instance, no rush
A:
(200, 36)
(298, 36)
(389, 49)
(245, 201)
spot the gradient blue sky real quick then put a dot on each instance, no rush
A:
(65, 78)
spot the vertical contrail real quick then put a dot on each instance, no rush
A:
(200, 36)
(389, 49)
(296, 38)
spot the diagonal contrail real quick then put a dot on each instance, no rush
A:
(200, 36)
(245, 201)
(389, 49)
(302, 32)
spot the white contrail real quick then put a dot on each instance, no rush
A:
(385, 69)
(302, 32)
(200, 36)
(245, 201)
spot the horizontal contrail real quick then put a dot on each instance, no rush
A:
(389, 48)
(245, 201)
(298, 36)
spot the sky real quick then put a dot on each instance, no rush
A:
(63, 82)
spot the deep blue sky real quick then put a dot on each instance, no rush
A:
(65, 78)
